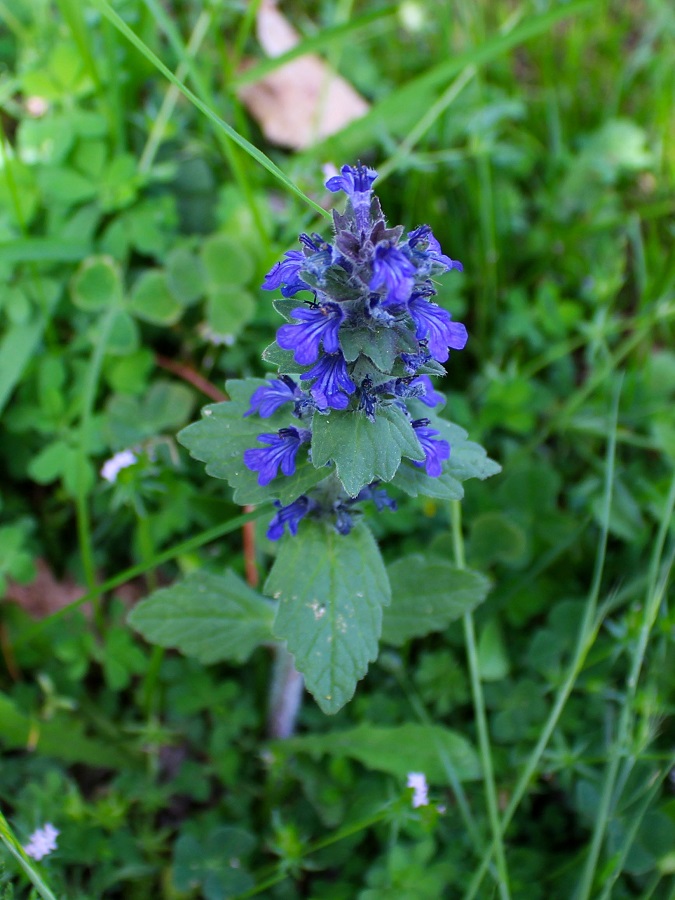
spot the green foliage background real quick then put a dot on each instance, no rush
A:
(138, 215)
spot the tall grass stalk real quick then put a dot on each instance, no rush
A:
(106, 10)
(588, 630)
(188, 66)
(480, 716)
(619, 750)
(10, 841)
(156, 135)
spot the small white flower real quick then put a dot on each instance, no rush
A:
(418, 782)
(42, 842)
(113, 466)
(36, 106)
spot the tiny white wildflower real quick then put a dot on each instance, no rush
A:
(113, 466)
(418, 782)
(42, 842)
(36, 106)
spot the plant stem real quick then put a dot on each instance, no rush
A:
(285, 695)
(479, 711)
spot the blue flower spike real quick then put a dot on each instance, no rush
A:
(363, 346)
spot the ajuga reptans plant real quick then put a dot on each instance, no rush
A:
(349, 420)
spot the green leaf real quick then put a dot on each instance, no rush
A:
(65, 186)
(208, 616)
(222, 436)
(185, 275)
(428, 594)
(225, 262)
(470, 460)
(123, 337)
(285, 306)
(284, 360)
(62, 737)
(97, 284)
(467, 460)
(215, 864)
(228, 309)
(398, 750)
(165, 407)
(415, 481)
(363, 451)
(43, 250)
(331, 589)
(152, 301)
(381, 345)
(495, 537)
(493, 658)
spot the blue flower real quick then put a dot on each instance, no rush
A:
(435, 324)
(393, 270)
(267, 399)
(414, 361)
(281, 452)
(356, 182)
(286, 273)
(379, 496)
(432, 252)
(425, 392)
(344, 518)
(368, 398)
(317, 324)
(435, 450)
(289, 515)
(333, 384)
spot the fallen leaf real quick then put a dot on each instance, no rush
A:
(46, 594)
(304, 100)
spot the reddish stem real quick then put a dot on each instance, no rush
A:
(248, 535)
(194, 378)
(204, 385)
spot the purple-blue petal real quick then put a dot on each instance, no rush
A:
(288, 516)
(280, 453)
(315, 325)
(285, 272)
(435, 450)
(333, 384)
(356, 182)
(436, 326)
(393, 270)
(267, 399)
(432, 253)
(429, 396)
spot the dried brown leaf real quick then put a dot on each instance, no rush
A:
(303, 101)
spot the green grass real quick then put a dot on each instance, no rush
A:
(536, 139)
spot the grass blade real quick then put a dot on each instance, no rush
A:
(9, 840)
(106, 10)
(588, 631)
